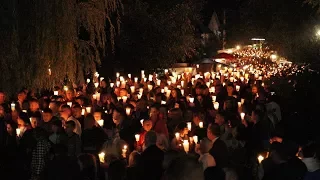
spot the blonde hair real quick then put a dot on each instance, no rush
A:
(134, 158)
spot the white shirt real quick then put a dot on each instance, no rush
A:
(207, 161)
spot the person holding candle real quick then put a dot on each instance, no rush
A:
(33, 110)
(147, 126)
(74, 142)
(196, 130)
(206, 159)
(183, 131)
(77, 114)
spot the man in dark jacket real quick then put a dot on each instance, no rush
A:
(151, 158)
(219, 149)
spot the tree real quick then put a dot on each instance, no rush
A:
(158, 33)
(66, 38)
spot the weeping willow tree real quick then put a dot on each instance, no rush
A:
(47, 41)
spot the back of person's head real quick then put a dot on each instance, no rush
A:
(72, 124)
(134, 158)
(184, 168)
(215, 129)
(117, 170)
(309, 150)
(88, 166)
(89, 121)
(205, 145)
(150, 138)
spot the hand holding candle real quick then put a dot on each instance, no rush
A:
(260, 158)
(18, 131)
(124, 151)
(101, 157)
(137, 136)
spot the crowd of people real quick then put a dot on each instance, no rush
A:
(222, 125)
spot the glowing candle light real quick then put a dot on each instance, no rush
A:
(101, 157)
(69, 104)
(100, 122)
(124, 151)
(94, 96)
(132, 88)
(96, 84)
(237, 88)
(242, 101)
(150, 87)
(56, 93)
(260, 159)
(118, 83)
(65, 88)
(158, 82)
(88, 109)
(141, 121)
(163, 102)
(242, 115)
(128, 111)
(83, 111)
(137, 136)
(129, 76)
(216, 105)
(13, 106)
(200, 124)
(189, 126)
(195, 139)
(117, 75)
(101, 79)
(135, 79)
(191, 99)
(177, 135)
(166, 71)
(88, 80)
(239, 104)
(214, 98)
(111, 85)
(98, 96)
(182, 92)
(18, 131)
(182, 83)
(186, 145)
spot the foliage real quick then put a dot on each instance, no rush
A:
(160, 33)
(67, 37)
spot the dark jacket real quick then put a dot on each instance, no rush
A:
(151, 163)
(219, 151)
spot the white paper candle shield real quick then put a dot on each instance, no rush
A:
(83, 111)
(128, 111)
(101, 157)
(141, 121)
(158, 82)
(150, 87)
(195, 139)
(88, 81)
(101, 122)
(189, 126)
(137, 136)
(124, 151)
(132, 88)
(94, 96)
(177, 135)
(56, 93)
(135, 79)
(18, 131)
(117, 75)
(191, 99)
(111, 85)
(186, 145)
(237, 88)
(200, 124)
(118, 83)
(163, 102)
(214, 98)
(13, 106)
(98, 96)
(182, 92)
(101, 79)
(88, 109)
(69, 104)
(124, 99)
(260, 159)
(216, 105)
(129, 76)
(242, 115)
(96, 84)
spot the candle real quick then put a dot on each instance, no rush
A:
(101, 157)
(128, 111)
(94, 96)
(186, 146)
(242, 115)
(260, 159)
(191, 99)
(124, 99)
(13, 106)
(200, 124)
(117, 75)
(142, 72)
(100, 122)
(166, 89)
(135, 79)
(88, 80)
(25, 111)
(137, 136)
(98, 96)
(124, 151)
(214, 98)
(83, 111)
(101, 79)
(118, 83)
(182, 92)
(56, 93)
(177, 135)
(182, 83)
(208, 84)
(69, 104)
(150, 77)
(197, 66)
(150, 87)
(139, 96)
(162, 90)
(237, 88)
(166, 71)
(132, 88)
(195, 139)
(216, 105)
(88, 109)
(191, 139)
(212, 89)
(242, 101)
(262, 84)
(129, 76)
(158, 82)
(163, 102)
(239, 104)
(169, 83)
(111, 85)
(141, 121)
(96, 84)
(18, 131)
(189, 126)
(121, 78)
